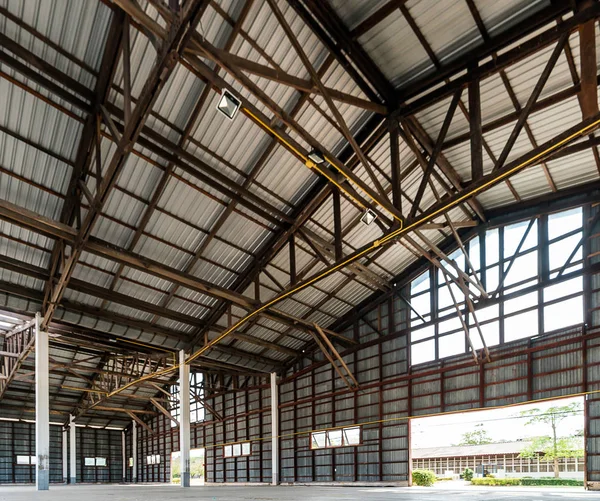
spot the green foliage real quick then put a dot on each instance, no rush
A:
(468, 474)
(553, 446)
(424, 478)
(552, 481)
(496, 481)
(476, 437)
(563, 447)
(197, 468)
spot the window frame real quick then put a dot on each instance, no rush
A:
(342, 430)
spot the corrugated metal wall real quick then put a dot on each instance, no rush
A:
(244, 420)
(18, 439)
(313, 397)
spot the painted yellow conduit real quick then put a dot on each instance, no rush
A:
(585, 129)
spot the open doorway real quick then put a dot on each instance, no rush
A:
(528, 445)
(196, 467)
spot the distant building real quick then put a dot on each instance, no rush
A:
(498, 459)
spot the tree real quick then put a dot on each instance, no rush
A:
(553, 446)
(477, 437)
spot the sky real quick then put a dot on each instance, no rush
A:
(500, 424)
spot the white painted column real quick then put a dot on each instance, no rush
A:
(124, 455)
(274, 430)
(65, 455)
(184, 419)
(73, 449)
(42, 409)
(134, 452)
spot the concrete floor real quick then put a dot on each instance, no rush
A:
(161, 492)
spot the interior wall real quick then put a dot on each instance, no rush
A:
(18, 438)
(312, 397)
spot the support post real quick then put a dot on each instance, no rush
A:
(184, 420)
(274, 430)
(72, 449)
(134, 452)
(124, 456)
(65, 455)
(42, 410)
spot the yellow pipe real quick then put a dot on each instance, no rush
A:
(311, 165)
(373, 246)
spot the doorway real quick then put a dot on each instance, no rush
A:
(196, 467)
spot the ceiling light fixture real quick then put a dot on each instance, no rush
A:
(368, 217)
(316, 156)
(228, 104)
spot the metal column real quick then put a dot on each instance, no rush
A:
(65, 455)
(274, 430)
(134, 452)
(124, 454)
(42, 411)
(184, 419)
(73, 448)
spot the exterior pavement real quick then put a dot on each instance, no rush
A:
(161, 492)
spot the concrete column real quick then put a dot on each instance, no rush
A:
(274, 430)
(134, 452)
(184, 419)
(124, 455)
(42, 409)
(65, 455)
(73, 449)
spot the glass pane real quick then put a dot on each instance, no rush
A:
(227, 451)
(513, 235)
(422, 352)
(420, 284)
(423, 333)
(318, 440)
(564, 222)
(563, 289)
(351, 436)
(149, 459)
(100, 461)
(450, 325)
(452, 344)
(237, 450)
(487, 313)
(33, 459)
(130, 461)
(246, 449)
(421, 303)
(22, 459)
(521, 326)
(90, 461)
(563, 314)
(490, 332)
(520, 303)
(523, 267)
(560, 251)
(492, 247)
(157, 459)
(474, 253)
(335, 438)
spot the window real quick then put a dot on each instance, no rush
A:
(196, 396)
(237, 450)
(153, 459)
(343, 437)
(26, 460)
(131, 462)
(94, 461)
